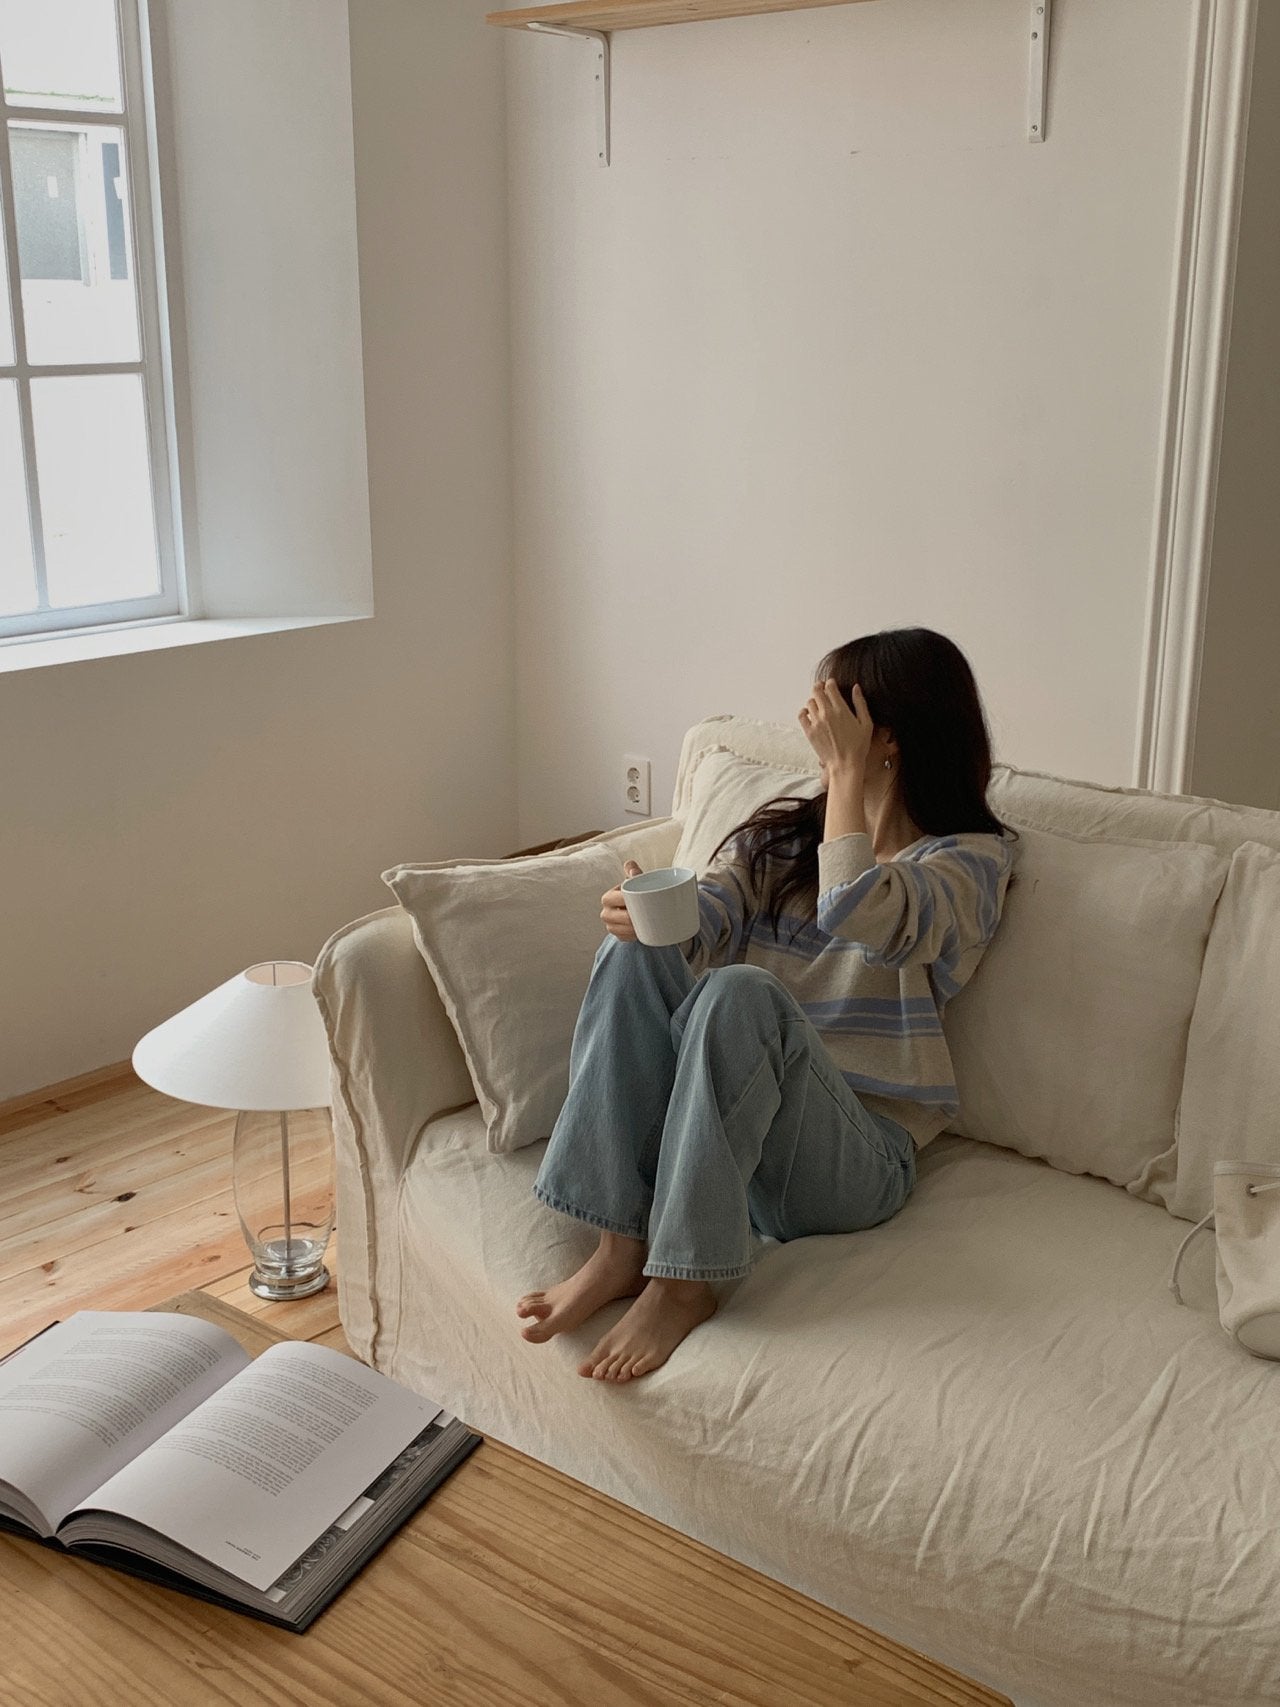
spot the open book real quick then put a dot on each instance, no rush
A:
(155, 1443)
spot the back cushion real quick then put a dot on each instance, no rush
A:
(1231, 1094)
(1126, 814)
(722, 790)
(1069, 1041)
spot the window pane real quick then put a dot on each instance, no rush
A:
(74, 249)
(60, 53)
(17, 572)
(95, 488)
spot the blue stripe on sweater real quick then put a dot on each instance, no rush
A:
(889, 1026)
(849, 895)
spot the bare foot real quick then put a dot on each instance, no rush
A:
(651, 1330)
(615, 1269)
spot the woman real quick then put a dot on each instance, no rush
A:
(780, 1070)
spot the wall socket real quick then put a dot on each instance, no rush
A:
(635, 785)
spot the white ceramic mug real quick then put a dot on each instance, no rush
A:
(663, 905)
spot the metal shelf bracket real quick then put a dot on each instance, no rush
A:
(600, 54)
(1038, 69)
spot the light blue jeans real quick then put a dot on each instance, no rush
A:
(699, 1108)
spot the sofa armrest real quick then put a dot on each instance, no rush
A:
(394, 1064)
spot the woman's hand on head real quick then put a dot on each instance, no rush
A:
(613, 909)
(840, 737)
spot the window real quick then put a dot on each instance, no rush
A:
(87, 525)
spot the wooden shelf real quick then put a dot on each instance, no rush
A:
(642, 14)
(593, 22)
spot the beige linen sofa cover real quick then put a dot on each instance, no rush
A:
(982, 1428)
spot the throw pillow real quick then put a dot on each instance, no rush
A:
(1231, 1092)
(1070, 1039)
(510, 944)
(722, 789)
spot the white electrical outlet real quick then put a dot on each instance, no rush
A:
(635, 785)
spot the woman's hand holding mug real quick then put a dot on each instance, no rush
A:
(613, 909)
(658, 908)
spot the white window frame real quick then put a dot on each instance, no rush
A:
(155, 361)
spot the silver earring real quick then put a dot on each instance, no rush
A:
(888, 764)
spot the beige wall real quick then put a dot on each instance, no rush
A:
(1237, 744)
(168, 818)
(831, 347)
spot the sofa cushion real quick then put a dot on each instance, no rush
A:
(1092, 809)
(982, 1428)
(1069, 1041)
(721, 790)
(1231, 1091)
(510, 944)
(781, 746)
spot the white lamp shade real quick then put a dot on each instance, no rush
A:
(256, 1042)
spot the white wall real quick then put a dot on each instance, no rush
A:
(168, 818)
(831, 347)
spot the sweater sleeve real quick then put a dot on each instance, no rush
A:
(936, 910)
(726, 905)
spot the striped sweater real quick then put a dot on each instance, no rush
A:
(891, 945)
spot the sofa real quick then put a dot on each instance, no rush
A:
(985, 1428)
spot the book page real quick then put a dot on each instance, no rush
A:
(265, 1465)
(91, 1392)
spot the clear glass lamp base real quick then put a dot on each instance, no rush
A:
(295, 1270)
(282, 1168)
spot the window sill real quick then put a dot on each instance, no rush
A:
(40, 651)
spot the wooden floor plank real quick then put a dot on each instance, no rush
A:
(143, 1262)
(141, 1127)
(27, 1236)
(470, 1644)
(103, 1082)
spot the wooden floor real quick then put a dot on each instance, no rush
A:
(526, 1589)
(113, 1196)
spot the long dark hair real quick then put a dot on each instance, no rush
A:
(919, 685)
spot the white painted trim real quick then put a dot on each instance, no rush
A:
(40, 651)
(1199, 337)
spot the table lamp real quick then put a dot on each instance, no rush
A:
(257, 1044)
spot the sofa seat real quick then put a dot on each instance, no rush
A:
(983, 1428)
